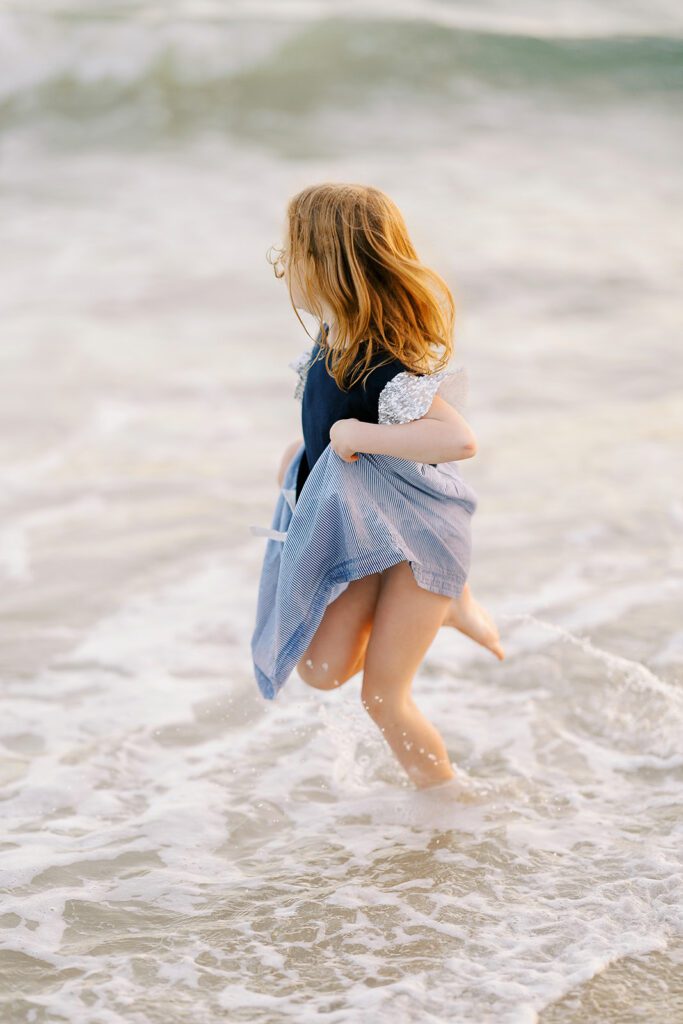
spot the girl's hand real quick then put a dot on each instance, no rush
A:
(344, 438)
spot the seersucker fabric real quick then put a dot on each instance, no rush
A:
(353, 519)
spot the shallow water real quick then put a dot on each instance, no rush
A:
(172, 844)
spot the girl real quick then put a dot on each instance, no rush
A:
(369, 548)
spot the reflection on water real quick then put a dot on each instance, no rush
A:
(173, 844)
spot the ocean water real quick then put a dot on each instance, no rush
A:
(173, 847)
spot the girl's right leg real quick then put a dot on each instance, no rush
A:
(407, 618)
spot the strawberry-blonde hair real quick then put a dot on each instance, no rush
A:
(352, 251)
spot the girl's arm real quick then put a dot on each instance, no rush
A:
(287, 457)
(441, 435)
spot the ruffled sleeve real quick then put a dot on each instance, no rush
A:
(300, 366)
(408, 396)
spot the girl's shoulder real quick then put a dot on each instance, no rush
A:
(408, 396)
(399, 395)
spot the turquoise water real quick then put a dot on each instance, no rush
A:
(172, 845)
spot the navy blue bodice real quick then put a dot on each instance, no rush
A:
(324, 402)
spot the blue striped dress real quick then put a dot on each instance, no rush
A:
(352, 519)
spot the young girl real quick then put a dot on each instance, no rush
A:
(369, 548)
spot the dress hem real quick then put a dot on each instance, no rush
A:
(434, 582)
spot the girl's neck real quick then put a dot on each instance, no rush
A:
(328, 339)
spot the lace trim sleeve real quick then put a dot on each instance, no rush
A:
(300, 366)
(408, 396)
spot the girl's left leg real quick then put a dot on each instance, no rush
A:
(336, 652)
(406, 620)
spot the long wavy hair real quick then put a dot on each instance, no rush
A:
(351, 251)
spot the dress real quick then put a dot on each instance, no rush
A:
(337, 521)
(323, 402)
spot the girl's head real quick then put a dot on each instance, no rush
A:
(347, 255)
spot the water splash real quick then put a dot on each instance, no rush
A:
(638, 720)
(633, 673)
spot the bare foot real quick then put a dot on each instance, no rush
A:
(466, 614)
(459, 788)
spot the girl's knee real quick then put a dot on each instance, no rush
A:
(372, 702)
(322, 676)
(379, 701)
(322, 684)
